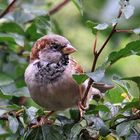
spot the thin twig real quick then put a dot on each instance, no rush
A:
(110, 35)
(50, 12)
(94, 46)
(8, 8)
(57, 7)
(123, 31)
(130, 118)
(96, 56)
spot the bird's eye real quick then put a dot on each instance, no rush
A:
(56, 46)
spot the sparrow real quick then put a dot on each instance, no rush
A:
(49, 77)
(49, 74)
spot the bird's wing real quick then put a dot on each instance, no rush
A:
(76, 66)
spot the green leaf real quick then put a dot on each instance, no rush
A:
(135, 79)
(114, 96)
(123, 129)
(31, 112)
(121, 84)
(43, 24)
(11, 27)
(13, 123)
(75, 130)
(31, 33)
(12, 38)
(133, 136)
(109, 115)
(91, 25)
(52, 132)
(22, 16)
(91, 109)
(102, 108)
(5, 80)
(40, 26)
(78, 4)
(132, 48)
(10, 89)
(132, 104)
(104, 131)
(64, 120)
(74, 113)
(46, 132)
(116, 117)
(80, 78)
(19, 92)
(34, 134)
(98, 122)
(97, 75)
(13, 107)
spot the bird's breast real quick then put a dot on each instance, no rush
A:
(55, 89)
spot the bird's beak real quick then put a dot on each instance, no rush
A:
(68, 49)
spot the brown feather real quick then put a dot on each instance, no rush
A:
(39, 45)
(77, 67)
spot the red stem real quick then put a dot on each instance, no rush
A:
(123, 31)
(57, 7)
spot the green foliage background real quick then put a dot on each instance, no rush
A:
(113, 116)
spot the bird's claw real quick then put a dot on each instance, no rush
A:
(41, 121)
(81, 108)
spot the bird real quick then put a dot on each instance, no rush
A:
(49, 75)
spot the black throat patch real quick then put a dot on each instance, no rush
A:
(50, 72)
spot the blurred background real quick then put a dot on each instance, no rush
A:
(68, 22)
(73, 26)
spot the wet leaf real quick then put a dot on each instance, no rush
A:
(96, 76)
(123, 129)
(13, 123)
(31, 112)
(46, 132)
(101, 26)
(137, 31)
(128, 11)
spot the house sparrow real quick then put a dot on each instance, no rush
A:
(49, 74)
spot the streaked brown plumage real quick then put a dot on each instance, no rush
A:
(49, 74)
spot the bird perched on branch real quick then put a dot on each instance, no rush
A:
(49, 74)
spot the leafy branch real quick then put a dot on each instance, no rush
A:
(50, 12)
(8, 8)
(96, 56)
(129, 118)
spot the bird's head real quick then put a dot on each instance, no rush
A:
(51, 48)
